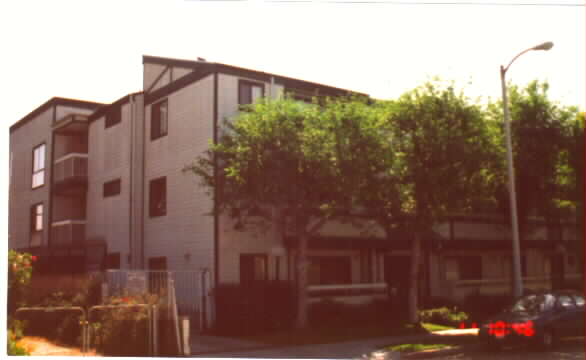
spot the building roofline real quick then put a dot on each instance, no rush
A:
(171, 61)
(54, 101)
(105, 107)
(204, 68)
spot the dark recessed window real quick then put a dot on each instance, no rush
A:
(113, 116)
(249, 92)
(112, 188)
(159, 119)
(36, 223)
(330, 270)
(38, 166)
(158, 197)
(470, 267)
(299, 95)
(112, 261)
(157, 275)
(253, 267)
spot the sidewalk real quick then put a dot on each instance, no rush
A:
(219, 347)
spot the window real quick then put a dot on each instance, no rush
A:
(158, 275)
(158, 197)
(301, 96)
(159, 119)
(36, 223)
(470, 267)
(249, 92)
(38, 166)
(253, 267)
(329, 270)
(451, 269)
(547, 266)
(113, 116)
(365, 267)
(112, 188)
(464, 268)
(112, 261)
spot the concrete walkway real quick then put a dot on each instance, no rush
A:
(219, 347)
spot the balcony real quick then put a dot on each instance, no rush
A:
(68, 233)
(71, 124)
(70, 174)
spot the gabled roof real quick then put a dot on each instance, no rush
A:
(55, 101)
(204, 68)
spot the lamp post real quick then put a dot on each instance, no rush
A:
(518, 285)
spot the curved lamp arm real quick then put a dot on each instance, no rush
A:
(545, 46)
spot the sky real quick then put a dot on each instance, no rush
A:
(92, 50)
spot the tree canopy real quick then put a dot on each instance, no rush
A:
(406, 163)
(546, 155)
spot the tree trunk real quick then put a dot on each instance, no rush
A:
(302, 279)
(414, 279)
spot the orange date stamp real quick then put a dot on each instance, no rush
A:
(502, 328)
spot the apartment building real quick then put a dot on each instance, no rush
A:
(97, 186)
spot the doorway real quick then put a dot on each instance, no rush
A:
(397, 270)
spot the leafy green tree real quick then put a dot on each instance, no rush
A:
(574, 186)
(439, 162)
(546, 139)
(283, 162)
(538, 140)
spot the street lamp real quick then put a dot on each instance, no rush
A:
(518, 285)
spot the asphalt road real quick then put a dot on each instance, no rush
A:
(569, 349)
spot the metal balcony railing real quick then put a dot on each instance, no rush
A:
(67, 233)
(70, 168)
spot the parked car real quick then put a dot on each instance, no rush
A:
(540, 318)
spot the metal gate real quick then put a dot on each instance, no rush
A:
(85, 322)
(191, 290)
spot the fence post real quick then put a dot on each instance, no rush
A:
(104, 291)
(186, 340)
(155, 330)
(149, 330)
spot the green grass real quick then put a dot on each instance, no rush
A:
(416, 347)
(435, 327)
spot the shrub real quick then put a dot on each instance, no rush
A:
(19, 275)
(123, 331)
(60, 326)
(20, 268)
(14, 334)
(443, 316)
(254, 308)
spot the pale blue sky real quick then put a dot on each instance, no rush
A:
(92, 50)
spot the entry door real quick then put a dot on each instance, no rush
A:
(397, 270)
(557, 271)
(158, 275)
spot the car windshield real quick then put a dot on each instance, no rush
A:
(533, 304)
